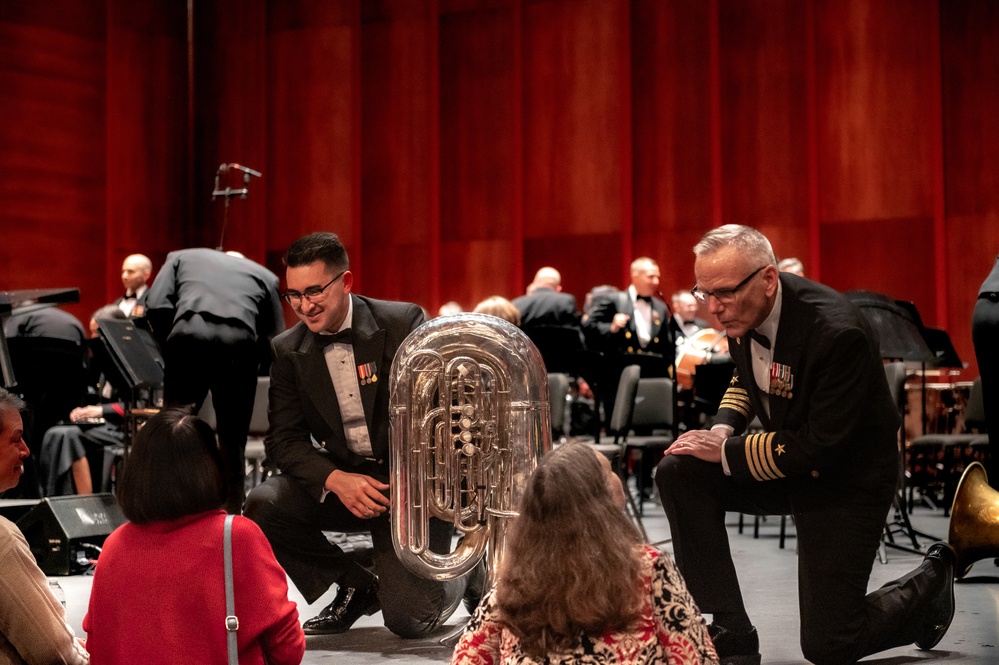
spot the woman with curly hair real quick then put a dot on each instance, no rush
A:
(577, 584)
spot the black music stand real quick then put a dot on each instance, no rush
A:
(901, 334)
(132, 363)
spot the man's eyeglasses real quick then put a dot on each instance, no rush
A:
(310, 294)
(724, 296)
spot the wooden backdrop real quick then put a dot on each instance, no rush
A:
(458, 145)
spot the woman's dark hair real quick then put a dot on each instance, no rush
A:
(571, 566)
(173, 469)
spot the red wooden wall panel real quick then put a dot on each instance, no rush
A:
(457, 145)
(230, 123)
(52, 138)
(573, 108)
(672, 180)
(764, 139)
(398, 72)
(970, 68)
(312, 180)
(148, 150)
(479, 166)
(876, 85)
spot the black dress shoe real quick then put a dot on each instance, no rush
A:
(348, 606)
(935, 617)
(735, 648)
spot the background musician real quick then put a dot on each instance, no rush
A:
(685, 322)
(628, 327)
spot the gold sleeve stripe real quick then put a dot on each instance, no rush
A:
(759, 457)
(736, 399)
(768, 452)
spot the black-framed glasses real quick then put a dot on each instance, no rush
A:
(724, 296)
(295, 298)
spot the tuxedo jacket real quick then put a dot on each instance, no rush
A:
(625, 340)
(305, 435)
(209, 295)
(547, 307)
(834, 422)
(140, 301)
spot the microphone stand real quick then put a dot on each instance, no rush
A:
(228, 193)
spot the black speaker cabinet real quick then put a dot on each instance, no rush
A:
(61, 530)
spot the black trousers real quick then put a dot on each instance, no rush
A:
(985, 335)
(837, 543)
(293, 522)
(229, 369)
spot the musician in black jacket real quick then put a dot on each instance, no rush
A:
(545, 304)
(808, 365)
(214, 314)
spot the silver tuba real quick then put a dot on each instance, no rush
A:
(469, 420)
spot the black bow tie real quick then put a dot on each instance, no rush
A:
(342, 337)
(762, 340)
(128, 296)
(647, 299)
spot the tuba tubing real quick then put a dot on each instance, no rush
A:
(974, 519)
(469, 420)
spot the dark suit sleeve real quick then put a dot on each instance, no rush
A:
(289, 436)
(161, 299)
(597, 325)
(836, 390)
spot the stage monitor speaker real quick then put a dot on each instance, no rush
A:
(62, 530)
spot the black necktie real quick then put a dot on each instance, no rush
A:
(760, 339)
(342, 337)
(647, 299)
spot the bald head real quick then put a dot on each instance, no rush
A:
(546, 278)
(135, 271)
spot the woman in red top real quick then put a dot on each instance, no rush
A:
(577, 585)
(159, 587)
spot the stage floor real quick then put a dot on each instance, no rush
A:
(768, 576)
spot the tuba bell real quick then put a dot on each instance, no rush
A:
(469, 420)
(974, 519)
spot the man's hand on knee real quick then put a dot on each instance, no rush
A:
(362, 495)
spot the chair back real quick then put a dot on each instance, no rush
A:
(258, 420)
(653, 404)
(895, 373)
(558, 391)
(624, 402)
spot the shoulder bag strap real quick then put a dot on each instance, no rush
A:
(231, 622)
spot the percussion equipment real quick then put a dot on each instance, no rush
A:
(699, 349)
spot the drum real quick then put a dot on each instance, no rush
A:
(698, 349)
(944, 407)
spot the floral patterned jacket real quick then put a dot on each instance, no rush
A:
(669, 630)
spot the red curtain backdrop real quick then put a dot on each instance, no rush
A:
(458, 145)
